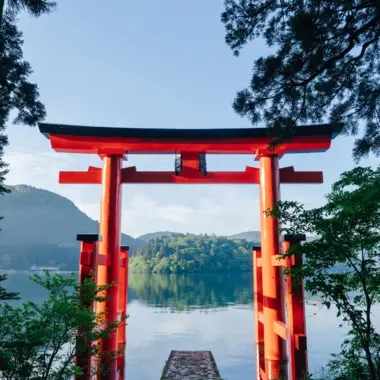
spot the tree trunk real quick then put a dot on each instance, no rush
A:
(2, 3)
(371, 366)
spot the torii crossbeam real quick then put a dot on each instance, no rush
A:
(191, 147)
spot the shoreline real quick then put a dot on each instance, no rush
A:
(28, 271)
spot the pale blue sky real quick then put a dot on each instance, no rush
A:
(160, 64)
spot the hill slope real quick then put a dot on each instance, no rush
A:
(251, 236)
(152, 235)
(40, 226)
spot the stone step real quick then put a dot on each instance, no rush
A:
(190, 365)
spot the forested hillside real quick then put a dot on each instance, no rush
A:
(185, 253)
(40, 227)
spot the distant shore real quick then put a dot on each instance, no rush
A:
(28, 271)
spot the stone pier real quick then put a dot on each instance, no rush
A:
(190, 365)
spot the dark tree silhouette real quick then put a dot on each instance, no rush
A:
(16, 92)
(324, 65)
(34, 7)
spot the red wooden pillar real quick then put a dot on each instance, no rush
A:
(123, 301)
(110, 228)
(88, 252)
(258, 309)
(272, 288)
(295, 304)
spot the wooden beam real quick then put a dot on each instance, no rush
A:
(278, 261)
(280, 329)
(263, 375)
(289, 175)
(91, 176)
(188, 175)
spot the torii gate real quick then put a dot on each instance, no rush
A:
(279, 310)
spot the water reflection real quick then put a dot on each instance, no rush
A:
(201, 312)
(191, 292)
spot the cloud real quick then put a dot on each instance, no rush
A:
(29, 168)
(90, 209)
(194, 209)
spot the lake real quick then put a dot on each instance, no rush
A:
(200, 312)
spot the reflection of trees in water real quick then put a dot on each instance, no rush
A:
(192, 291)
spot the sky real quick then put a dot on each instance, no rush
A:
(150, 64)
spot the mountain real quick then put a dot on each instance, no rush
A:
(40, 226)
(153, 235)
(251, 236)
(254, 236)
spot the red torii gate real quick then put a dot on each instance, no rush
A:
(279, 310)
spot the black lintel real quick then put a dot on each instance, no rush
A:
(89, 237)
(294, 238)
(206, 133)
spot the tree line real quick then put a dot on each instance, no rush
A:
(186, 253)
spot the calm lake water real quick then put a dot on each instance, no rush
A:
(200, 312)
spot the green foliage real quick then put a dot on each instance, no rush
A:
(348, 234)
(323, 64)
(34, 7)
(180, 253)
(40, 341)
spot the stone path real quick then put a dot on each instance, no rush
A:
(190, 365)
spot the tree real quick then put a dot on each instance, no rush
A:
(16, 92)
(324, 64)
(177, 253)
(40, 341)
(342, 266)
(162, 252)
(34, 7)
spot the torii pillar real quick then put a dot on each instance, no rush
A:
(110, 230)
(273, 306)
